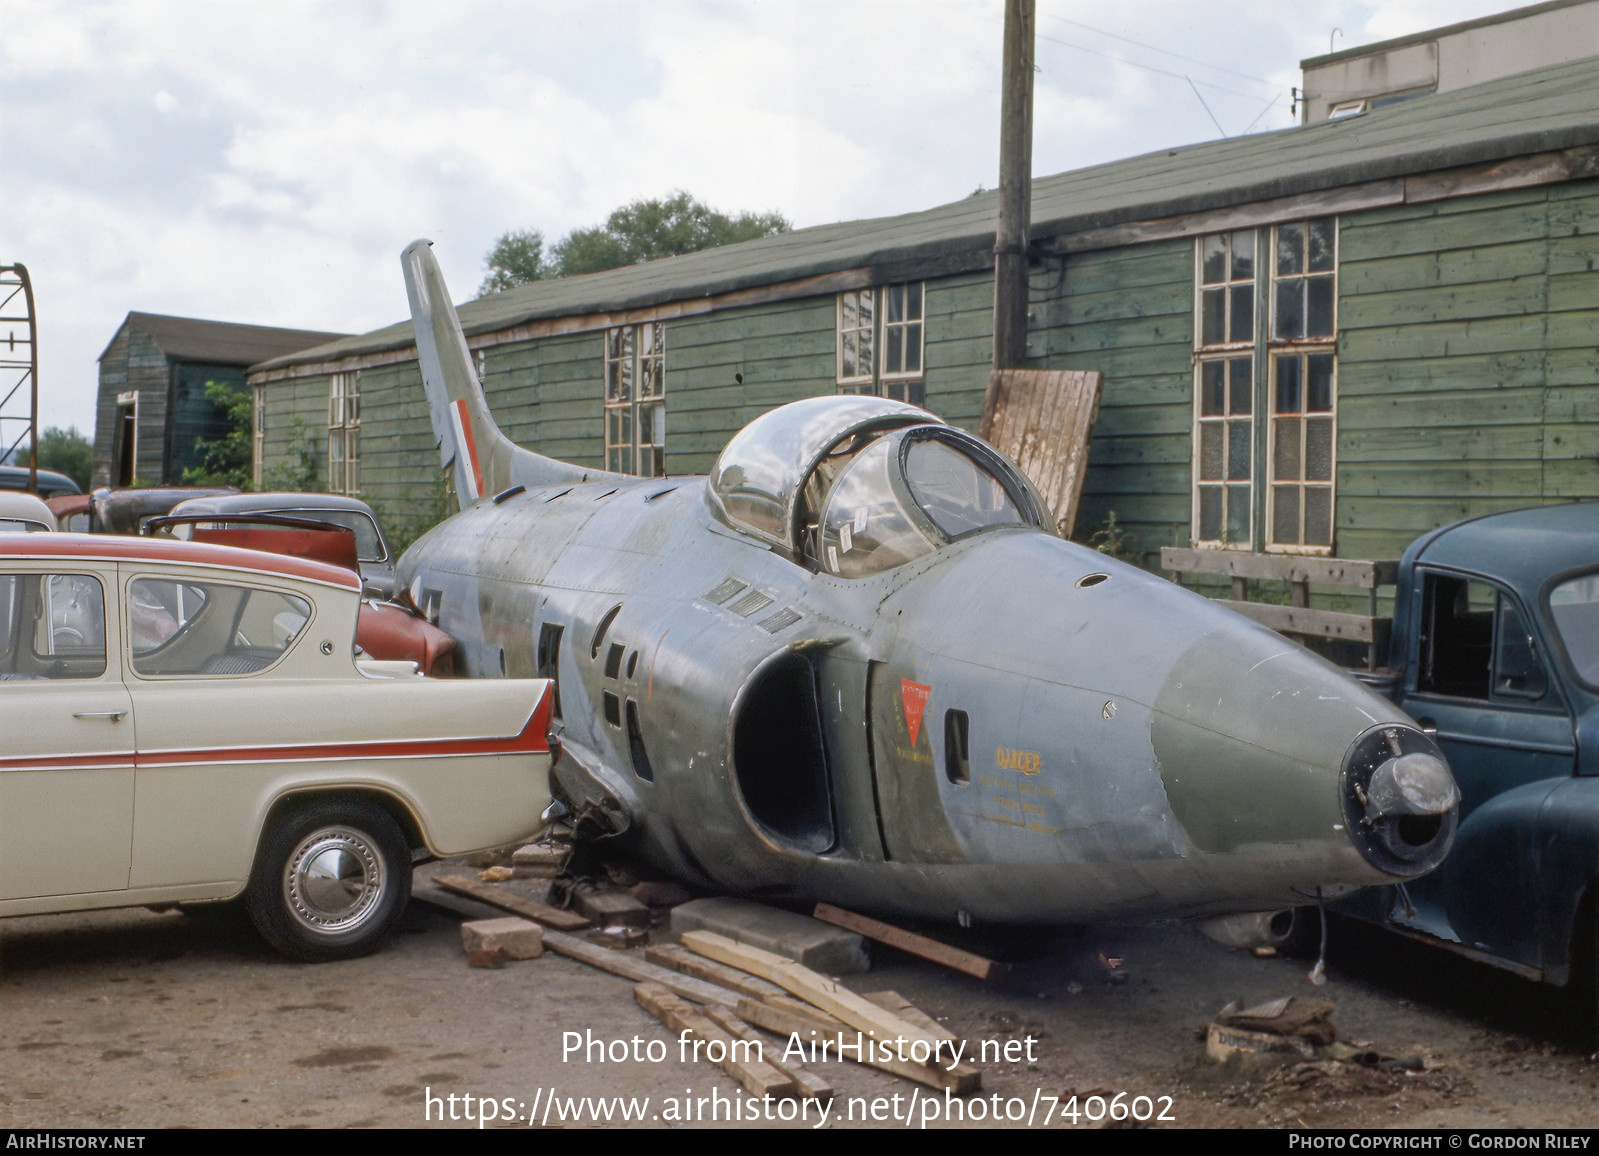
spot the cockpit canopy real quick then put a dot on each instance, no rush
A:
(855, 485)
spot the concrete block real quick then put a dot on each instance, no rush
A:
(819, 946)
(539, 860)
(609, 908)
(517, 938)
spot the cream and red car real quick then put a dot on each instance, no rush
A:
(188, 722)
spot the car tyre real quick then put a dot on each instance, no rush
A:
(331, 880)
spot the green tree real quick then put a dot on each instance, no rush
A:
(224, 461)
(67, 452)
(516, 259)
(650, 229)
(642, 231)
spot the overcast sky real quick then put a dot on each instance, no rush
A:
(266, 163)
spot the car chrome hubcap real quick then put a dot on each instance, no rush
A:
(333, 880)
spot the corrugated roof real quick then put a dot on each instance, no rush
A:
(1532, 112)
(221, 342)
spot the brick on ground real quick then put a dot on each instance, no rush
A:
(517, 938)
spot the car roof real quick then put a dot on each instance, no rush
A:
(1523, 547)
(25, 506)
(49, 481)
(116, 548)
(266, 502)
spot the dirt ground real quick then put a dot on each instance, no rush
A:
(131, 1019)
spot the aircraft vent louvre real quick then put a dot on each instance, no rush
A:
(749, 603)
(724, 590)
(785, 617)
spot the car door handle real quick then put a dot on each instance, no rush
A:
(113, 715)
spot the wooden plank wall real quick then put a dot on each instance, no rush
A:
(305, 398)
(1128, 313)
(113, 380)
(1468, 373)
(1468, 363)
(148, 373)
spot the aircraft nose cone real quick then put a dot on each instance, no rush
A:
(1261, 743)
(1400, 801)
(1413, 784)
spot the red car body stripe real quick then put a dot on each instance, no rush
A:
(533, 739)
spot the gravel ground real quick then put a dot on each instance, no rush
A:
(131, 1019)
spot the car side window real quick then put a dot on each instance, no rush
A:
(1476, 643)
(51, 626)
(204, 628)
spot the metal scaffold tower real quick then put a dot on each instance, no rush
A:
(19, 370)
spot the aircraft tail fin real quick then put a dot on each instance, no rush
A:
(484, 460)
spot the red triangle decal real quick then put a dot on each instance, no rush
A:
(914, 696)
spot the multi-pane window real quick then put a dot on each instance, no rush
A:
(1301, 449)
(1304, 384)
(344, 433)
(1224, 394)
(880, 341)
(258, 435)
(635, 399)
(1266, 343)
(857, 333)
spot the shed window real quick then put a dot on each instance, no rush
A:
(1265, 337)
(258, 436)
(635, 399)
(881, 340)
(344, 433)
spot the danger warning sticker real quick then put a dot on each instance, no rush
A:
(914, 696)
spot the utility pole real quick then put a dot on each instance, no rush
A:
(1015, 187)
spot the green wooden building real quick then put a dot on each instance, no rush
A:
(1321, 340)
(152, 405)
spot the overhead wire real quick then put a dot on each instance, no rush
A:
(1148, 67)
(1162, 51)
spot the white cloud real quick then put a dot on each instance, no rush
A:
(266, 162)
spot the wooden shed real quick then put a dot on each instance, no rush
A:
(152, 402)
(1322, 340)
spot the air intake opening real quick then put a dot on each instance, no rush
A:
(779, 757)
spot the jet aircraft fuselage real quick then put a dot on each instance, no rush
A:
(855, 664)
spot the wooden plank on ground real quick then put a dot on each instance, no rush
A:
(794, 1019)
(902, 1007)
(806, 1082)
(1041, 419)
(455, 904)
(630, 966)
(735, 1057)
(519, 904)
(677, 958)
(966, 962)
(827, 994)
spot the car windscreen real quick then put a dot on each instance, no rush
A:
(1574, 607)
(368, 545)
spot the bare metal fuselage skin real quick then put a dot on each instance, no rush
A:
(853, 665)
(1132, 748)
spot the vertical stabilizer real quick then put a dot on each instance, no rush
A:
(484, 460)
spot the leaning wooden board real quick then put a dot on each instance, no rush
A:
(908, 941)
(538, 912)
(813, 987)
